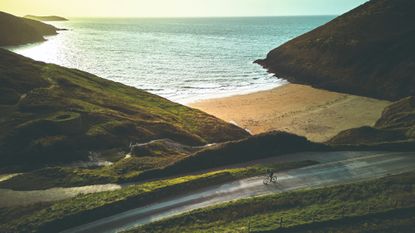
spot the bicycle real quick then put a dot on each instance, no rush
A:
(268, 180)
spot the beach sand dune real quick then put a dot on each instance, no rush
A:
(303, 110)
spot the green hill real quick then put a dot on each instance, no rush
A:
(16, 30)
(52, 114)
(368, 51)
(245, 150)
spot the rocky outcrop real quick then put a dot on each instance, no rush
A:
(16, 30)
(369, 51)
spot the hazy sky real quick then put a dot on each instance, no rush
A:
(177, 8)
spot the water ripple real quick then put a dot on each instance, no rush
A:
(180, 59)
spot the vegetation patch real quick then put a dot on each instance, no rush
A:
(345, 207)
(54, 115)
(86, 208)
(253, 148)
(163, 158)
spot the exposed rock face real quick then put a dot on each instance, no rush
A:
(16, 30)
(46, 18)
(396, 124)
(369, 51)
(50, 113)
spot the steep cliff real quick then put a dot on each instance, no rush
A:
(369, 51)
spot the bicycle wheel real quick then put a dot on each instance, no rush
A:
(266, 181)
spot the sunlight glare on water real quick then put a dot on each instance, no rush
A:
(181, 59)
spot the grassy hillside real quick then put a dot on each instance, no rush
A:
(161, 164)
(53, 114)
(45, 18)
(16, 30)
(368, 51)
(245, 150)
(383, 205)
(396, 124)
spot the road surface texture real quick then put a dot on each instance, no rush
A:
(10, 198)
(334, 168)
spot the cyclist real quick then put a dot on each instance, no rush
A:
(270, 174)
(270, 177)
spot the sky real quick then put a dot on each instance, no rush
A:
(177, 8)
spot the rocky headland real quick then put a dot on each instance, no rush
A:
(17, 30)
(368, 51)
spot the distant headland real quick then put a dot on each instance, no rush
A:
(19, 30)
(46, 18)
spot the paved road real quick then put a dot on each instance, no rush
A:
(12, 198)
(336, 168)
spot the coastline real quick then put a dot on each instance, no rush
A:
(314, 113)
(187, 101)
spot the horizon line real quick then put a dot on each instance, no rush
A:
(182, 17)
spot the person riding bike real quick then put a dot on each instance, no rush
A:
(271, 174)
(270, 178)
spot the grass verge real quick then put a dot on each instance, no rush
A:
(382, 205)
(86, 208)
(144, 168)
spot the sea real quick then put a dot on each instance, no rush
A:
(182, 59)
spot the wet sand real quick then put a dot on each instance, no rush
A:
(303, 110)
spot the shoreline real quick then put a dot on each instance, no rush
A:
(226, 94)
(314, 113)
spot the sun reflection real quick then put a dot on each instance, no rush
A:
(43, 51)
(47, 51)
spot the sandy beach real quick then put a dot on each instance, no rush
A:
(303, 110)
